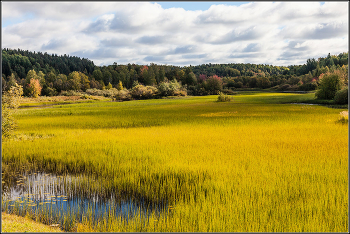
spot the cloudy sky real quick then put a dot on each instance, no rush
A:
(179, 33)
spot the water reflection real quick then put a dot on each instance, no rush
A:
(58, 195)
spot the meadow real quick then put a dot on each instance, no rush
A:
(260, 163)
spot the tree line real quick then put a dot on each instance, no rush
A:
(49, 74)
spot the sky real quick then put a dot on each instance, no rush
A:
(278, 33)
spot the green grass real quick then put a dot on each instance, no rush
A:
(255, 164)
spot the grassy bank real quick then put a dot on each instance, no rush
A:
(14, 223)
(255, 164)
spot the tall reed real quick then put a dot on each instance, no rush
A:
(254, 164)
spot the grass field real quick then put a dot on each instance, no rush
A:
(255, 164)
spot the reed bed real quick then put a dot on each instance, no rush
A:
(255, 164)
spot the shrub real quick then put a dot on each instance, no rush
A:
(94, 91)
(86, 96)
(308, 86)
(341, 97)
(223, 97)
(123, 95)
(284, 87)
(105, 92)
(143, 92)
(70, 93)
(172, 88)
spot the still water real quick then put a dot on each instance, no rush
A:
(59, 196)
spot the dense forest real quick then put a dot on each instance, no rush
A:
(49, 74)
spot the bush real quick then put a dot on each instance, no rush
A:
(143, 92)
(105, 93)
(172, 88)
(341, 97)
(94, 91)
(123, 95)
(70, 93)
(86, 96)
(223, 97)
(284, 87)
(308, 86)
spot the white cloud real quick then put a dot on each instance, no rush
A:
(278, 33)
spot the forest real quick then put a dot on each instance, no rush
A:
(51, 74)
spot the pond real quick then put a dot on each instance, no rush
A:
(58, 197)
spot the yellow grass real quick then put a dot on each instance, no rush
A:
(14, 223)
(241, 166)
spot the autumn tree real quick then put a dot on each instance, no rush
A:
(34, 88)
(74, 81)
(85, 82)
(9, 104)
(32, 84)
(120, 85)
(109, 86)
(214, 84)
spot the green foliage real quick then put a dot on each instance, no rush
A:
(11, 82)
(97, 74)
(329, 84)
(48, 91)
(9, 104)
(224, 98)
(50, 69)
(341, 96)
(21, 61)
